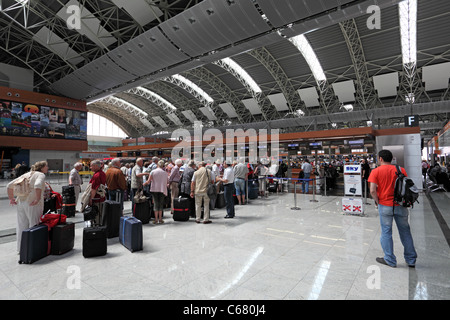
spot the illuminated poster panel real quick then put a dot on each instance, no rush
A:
(30, 120)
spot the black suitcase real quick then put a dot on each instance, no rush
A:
(62, 237)
(111, 213)
(220, 200)
(68, 210)
(181, 209)
(90, 213)
(253, 189)
(130, 235)
(142, 211)
(94, 242)
(50, 205)
(273, 187)
(68, 191)
(68, 200)
(192, 213)
(34, 244)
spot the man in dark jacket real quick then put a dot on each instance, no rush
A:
(116, 182)
(185, 186)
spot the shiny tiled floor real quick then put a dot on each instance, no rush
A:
(267, 252)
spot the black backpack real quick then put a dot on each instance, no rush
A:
(405, 192)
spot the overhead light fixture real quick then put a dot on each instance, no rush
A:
(242, 74)
(194, 87)
(310, 56)
(408, 30)
(347, 107)
(410, 98)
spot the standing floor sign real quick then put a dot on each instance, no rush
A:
(353, 187)
(352, 205)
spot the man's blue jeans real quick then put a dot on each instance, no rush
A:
(305, 184)
(400, 215)
(228, 190)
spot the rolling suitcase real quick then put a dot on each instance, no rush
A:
(192, 213)
(68, 199)
(94, 242)
(130, 235)
(273, 187)
(111, 214)
(68, 191)
(68, 205)
(142, 211)
(220, 200)
(34, 244)
(181, 209)
(68, 210)
(253, 188)
(62, 237)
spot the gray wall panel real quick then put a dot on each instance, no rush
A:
(103, 73)
(214, 24)
(72, 87)
(147, 53)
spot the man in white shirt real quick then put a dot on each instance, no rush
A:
(228, 186)
(307, 168)
(215, 168)
(75, 180)
(240, 171)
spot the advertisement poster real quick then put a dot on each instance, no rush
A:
(29, 120)
(352, 180)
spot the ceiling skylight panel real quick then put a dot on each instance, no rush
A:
(308, 53)
(157, 97)
(408, 30)
(194, 87)
(127, 104)
(243, 74)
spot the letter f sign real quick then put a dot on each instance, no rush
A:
(411, 121)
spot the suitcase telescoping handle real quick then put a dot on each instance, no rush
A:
(123, 226)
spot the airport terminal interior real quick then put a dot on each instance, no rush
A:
(294, 101)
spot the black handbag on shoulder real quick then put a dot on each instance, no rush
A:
(90, 213)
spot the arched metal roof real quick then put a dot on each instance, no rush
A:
(122, 46)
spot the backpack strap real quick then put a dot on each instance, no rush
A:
(399, 171)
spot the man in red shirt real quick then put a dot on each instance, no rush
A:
(382, 184)
(98, 183)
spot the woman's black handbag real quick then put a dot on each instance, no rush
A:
(90, 213)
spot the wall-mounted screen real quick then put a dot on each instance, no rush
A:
(30, 120)
(355, 143)
(315, 145)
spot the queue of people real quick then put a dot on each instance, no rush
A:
(162, 181)
(167, 180)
